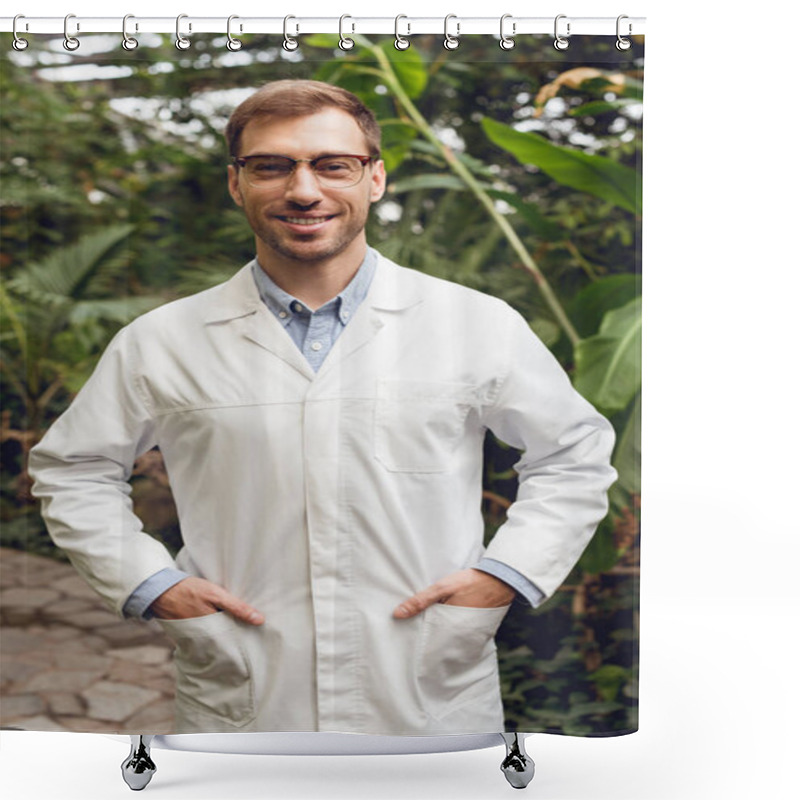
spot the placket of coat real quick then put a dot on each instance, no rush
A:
(327, 413)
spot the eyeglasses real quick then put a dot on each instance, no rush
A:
(335, 171)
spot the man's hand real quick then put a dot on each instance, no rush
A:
(196, 597)
(467, 587)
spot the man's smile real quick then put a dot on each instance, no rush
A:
(305, 220)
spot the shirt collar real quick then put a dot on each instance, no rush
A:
(284, 305)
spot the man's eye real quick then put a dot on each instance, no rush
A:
(269, 167)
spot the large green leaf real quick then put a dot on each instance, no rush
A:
(409, 68)
(434, 181)
(590, 305)
(596, 175)
(608, 370)
(601, 553)
(628, 452)
(115, 309)
(544, 228)
(63, 273)
(396, 138)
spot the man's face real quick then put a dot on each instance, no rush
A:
(300, 220)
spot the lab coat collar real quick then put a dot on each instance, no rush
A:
(390, 291)
(393, 291)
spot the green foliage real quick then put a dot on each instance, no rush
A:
(596, 175)
(114, 199)
(608, 364)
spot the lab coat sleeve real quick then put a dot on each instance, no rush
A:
(564, 471)
(81, 469)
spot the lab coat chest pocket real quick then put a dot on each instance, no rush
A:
(214, 676)
(418, 424)
(457, 660)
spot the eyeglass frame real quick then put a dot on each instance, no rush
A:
(240, 162)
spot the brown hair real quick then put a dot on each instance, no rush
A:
(299, 98)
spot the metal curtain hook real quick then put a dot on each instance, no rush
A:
(289, 43)
(345, 43)
(560, 43)
(400, 42)
(622, 43)
(128, 42)
(450, 41)
(506, 42)
(18, 43)
(233, 44)
(70, 42)
(181, 42)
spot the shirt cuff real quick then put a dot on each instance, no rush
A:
(138, 604)
(514, 579)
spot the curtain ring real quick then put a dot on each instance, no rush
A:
(450, 41)
(506, 42)
(128, 42)
(560, 43)
(71, 43)
(289, 44)
(233, 44)
(181, 42)
(18, 43)
(400, 42)
(623, 44)
(345, 43)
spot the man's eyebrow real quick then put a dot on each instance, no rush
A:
(323, 154)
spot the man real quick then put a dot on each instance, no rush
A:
(321, 416)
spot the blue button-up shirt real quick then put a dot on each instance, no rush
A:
(314, 333)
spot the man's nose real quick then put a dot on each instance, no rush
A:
(303, 187)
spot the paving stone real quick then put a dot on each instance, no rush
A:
(157, 717)
(64, 704)
(39, 723)
(75, 586)
(69, 608)
(16, 670)
(145, 654)
(63, 680)
(13, 640)
(127, 633)
(55, 636)
(23, 598)
(19, 617)
(156, 678)
(95, 619)
(83, 643)
(115, 702)
(20, 705)
(88, 725)
(41, 574)
(85, 661)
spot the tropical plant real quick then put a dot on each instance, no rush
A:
(59, 314)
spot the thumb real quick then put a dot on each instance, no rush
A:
(419, 602)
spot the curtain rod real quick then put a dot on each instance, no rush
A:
(403, 25)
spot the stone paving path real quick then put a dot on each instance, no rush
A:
(69, 664)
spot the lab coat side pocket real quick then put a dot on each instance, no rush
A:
(213, 673)
(458, 658)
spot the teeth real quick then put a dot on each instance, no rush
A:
(305, 220)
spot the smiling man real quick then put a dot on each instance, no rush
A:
(321, 417)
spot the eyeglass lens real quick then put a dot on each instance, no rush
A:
(330, 170)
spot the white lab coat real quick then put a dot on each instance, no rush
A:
(325, 499)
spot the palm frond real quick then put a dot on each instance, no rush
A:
(64, 273)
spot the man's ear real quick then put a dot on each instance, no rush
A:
(233, 185)
(378, 181)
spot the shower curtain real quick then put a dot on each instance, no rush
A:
(515, 172)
